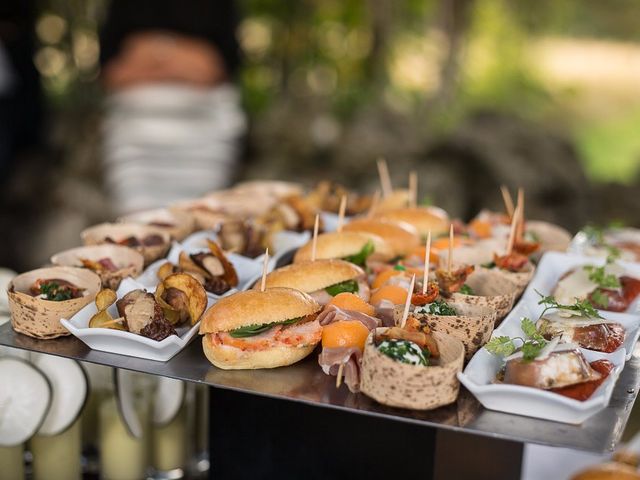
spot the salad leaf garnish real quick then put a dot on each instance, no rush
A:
(350, 286)
(599, 276)
(466, 290)
(361, 257)
(256, 329)
(531, 344)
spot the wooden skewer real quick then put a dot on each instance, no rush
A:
(413, 189)
(263, 283)
(407, 303)
(450, 257)
(512, 231)
(339, 377)
(385, 179)
(427, 264)
(520, 228)
(374, 204)
(314, 242)
(341, 212)
(508, 201)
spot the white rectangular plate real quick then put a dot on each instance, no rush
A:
(127, 343)
(479, 375)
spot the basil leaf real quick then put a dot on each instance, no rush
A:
(256, 329)
(350, 286)
(361, 257)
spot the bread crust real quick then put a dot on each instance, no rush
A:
(253, 307)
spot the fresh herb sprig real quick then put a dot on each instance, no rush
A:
(256, 329)
(439, 307)
(583, 307)
(599, 276)
(531, 344)
(466, 290)
(349, 286)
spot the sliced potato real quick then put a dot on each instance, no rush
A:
(172, 315)
(194, 291)
(165, 270)
(105, 298)
(230, 274)
(187, 265)
(102, 319)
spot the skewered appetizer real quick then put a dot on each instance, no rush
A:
(111, 263)
(607, 287)
(423, 219)
(244, 238)
(39, 298)
(556, 367)
(212, 269)
(177, 223)
(401, 237)
(292, 213)
(346, 323)
(321, 279)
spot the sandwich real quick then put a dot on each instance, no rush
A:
(423, 219)
(354, 247)
(261, 329)
(321, 279)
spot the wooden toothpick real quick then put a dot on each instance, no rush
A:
(385, 179)
(450, 259)
(512, 230)
(508, 201)
(413, 189)
(427, 264)
(341, 212)
(407, 303)
(339, 377)
(265, 265)
(520, 228)
(314, 242)
(374, 204)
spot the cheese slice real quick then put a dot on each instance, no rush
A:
(577, 286)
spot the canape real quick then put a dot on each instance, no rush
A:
(178, 223)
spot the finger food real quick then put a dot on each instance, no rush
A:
(402, 238)
(261, 329)
(354, 247)
(423, 219)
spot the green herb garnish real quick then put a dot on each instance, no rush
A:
(599, 276)
(400, 268)
(466, 290)
(489, 265)
(350, 286)
(361, 257)
(404, 351)
(439, 307)
(256, 329)
(600, 298)
(531, 236)
(531, 344)
(583, 307)
(54, 292)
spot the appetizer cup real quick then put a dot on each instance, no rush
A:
(491, 289)
(178, 223)
(416, 387)
(128, 262)
(473, 325)
(521, 279)
(40, 318)
(552, 237)
(99, 234)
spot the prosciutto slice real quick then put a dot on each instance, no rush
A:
(330, 359)
(385, 312)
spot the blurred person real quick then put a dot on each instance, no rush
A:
(173, 119)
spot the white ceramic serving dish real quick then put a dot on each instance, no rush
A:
(330, 221)
(554, 265)
(246, 268)
(479, 375)
(528, 307)
(582, 245)
(127, 343)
